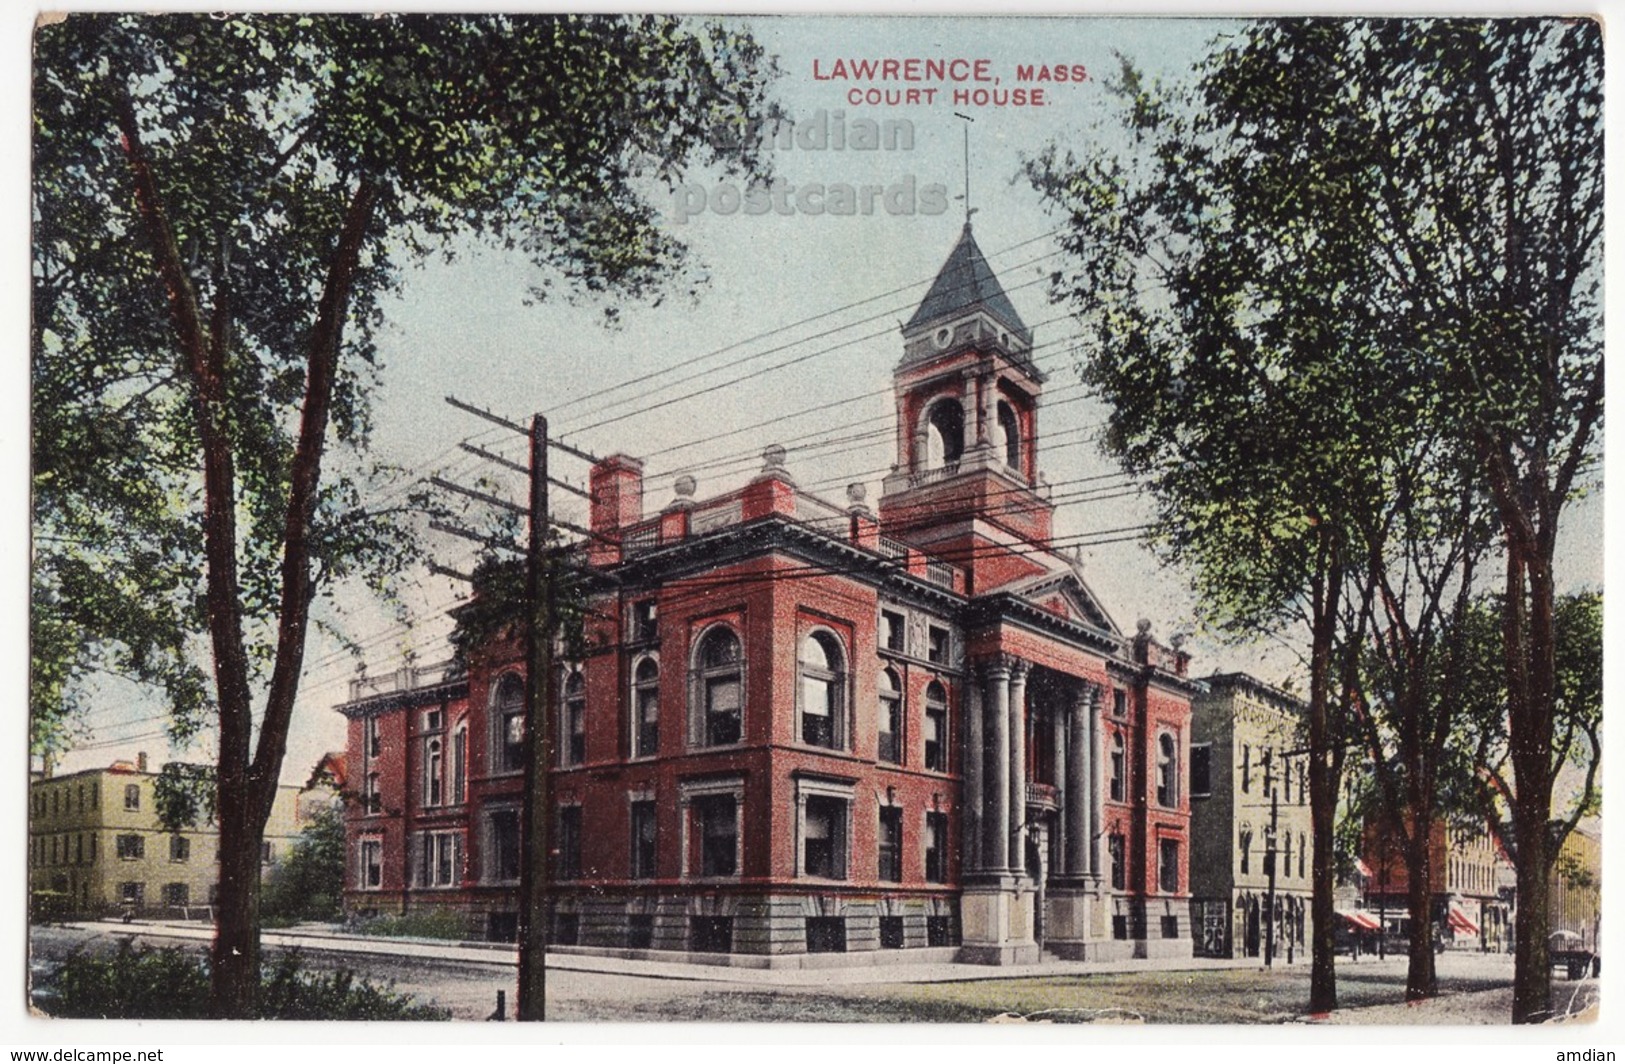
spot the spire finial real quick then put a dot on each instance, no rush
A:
(969, 210)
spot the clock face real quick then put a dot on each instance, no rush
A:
(943, 335)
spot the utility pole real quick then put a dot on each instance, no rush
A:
(538, 747)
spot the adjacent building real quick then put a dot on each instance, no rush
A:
(807, 727)
(1469, 908)
(97, 847)
(1575, 890)
(1251, 830)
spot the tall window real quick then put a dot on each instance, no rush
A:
(569, 866)
(371, 800)
(1010, 435)
(372, 864)
(823, 681)
(720, 703)
(892, 630)
(1303, 782)
(1118, 765)
(180, 848)
(371, 745)
(1167, 771)
(1119, 703)
(890, 844)
(433, 770)
(646, 707)
(1115, 850)
(1286, 862)
(1302, 848)
(890, 718)
(936, 727)
(715, 830)
(1201, 770)
(936, 645)
(936, 847)
(132, 797)
(1286, 780)
(508, 725)
(440, 859)
(575, 720)
(1244, 846)
(459, 764)
(644, 618)
(1246, 768)
(130, 847)
(823, 838)
(644, 840)
(502, 845)
(1168, 866)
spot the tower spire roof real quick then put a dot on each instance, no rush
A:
(966, 281)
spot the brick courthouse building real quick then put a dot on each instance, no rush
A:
(809, 728)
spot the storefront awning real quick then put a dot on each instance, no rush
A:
(1361, 919)
(1460, 924)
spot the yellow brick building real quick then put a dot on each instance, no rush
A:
(97, 848)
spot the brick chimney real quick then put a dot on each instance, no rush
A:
(617, 493)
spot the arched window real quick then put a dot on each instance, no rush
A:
(718, 703)
(945, 434)
(646, 708)
(508, 725)
(573, 748)
(936, 727)
(823, 681)
(1167, 772)
(1118, 766)
(1009, 435)
(891, 718)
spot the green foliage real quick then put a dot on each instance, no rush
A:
(142, 983)
(496, 608)
(309, 883)
(184, 795)
(419, 923)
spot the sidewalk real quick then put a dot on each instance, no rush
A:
(325, 939)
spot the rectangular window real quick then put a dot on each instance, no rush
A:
(502, 846)
(370, 798)
(939, 931)
(1168, 866)
(1246, 849)
(936, 847)
(433, 771)
(1115, 845)
(176, 895)
(1303, 783)
(1170, 927)
(1201, 770)
(1246, 768)
(892, 630)
(937, 645)
(131, 847)
(566, 929)
(569, 866)
(1119, 703)
(576, 753)
(371, 744)
(93, 849)
(824, 838)
(372, 864)
(1286, 779)
(267, 852)
(640, 931)
(1268, 760)
(180, 848)
(818, 711)
(434, 720)
(647, 696)
(826, 934)
(1117, 787)
(1119, 926)
(644, 840)
(644, 621)
(711, 934)
(513, 741)
(891, 932)
(890, 726)
(440, 859)
(890, 844)
(132, 894)
(459, 766)
(132, 796)
(716, 825)
(936, 738)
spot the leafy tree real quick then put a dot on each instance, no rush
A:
(1423, 197)
(309, 883)
(221, 206)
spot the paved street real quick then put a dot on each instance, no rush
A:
(465, 979)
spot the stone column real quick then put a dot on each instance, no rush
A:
(996, 700)
(974, 433)
(975, 801)
(1079, 792)
(1018, 767)
(1058, 749)
(1096, 697)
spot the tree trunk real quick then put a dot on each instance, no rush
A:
(235, 955)
(1532, 971)
(1324, 765)
(1420, 978)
